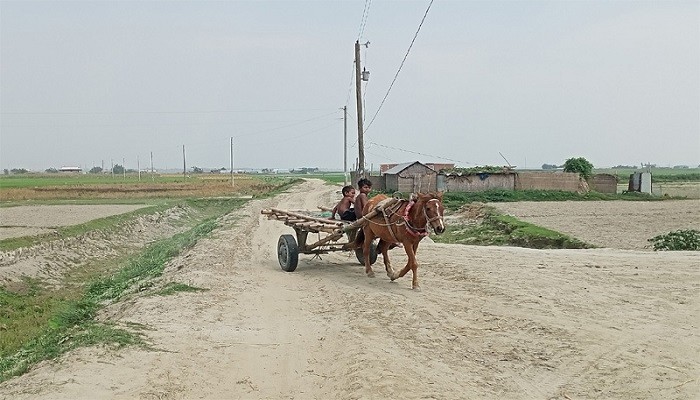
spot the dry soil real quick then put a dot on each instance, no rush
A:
(491, 323)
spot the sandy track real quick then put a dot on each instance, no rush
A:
(490, 323)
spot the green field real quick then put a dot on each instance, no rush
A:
(657, 174)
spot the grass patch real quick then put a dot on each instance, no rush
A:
(176, 287)
(71, 322)
(137, 275)
(677, 240)
(454, 200)
(57, 341)
(504, 230)
(37, 323)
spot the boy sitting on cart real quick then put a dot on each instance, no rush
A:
(344, 207)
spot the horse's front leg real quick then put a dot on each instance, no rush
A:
(369, 237)
(414, 267)
(411, 265)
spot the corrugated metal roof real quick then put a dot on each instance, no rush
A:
(397, 169)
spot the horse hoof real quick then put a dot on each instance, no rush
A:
(370, 274)
(416, 288)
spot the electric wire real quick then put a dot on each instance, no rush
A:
(289, 125)
(154, 112)
(422, 154)
(334, 123)
(400, 66)
(363, 21)
(352, 79)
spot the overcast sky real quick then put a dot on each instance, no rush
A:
(82, 83)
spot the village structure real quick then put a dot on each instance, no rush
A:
(415, 176)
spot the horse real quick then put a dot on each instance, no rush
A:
(406, 222)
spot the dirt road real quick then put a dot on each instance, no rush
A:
(490, 323)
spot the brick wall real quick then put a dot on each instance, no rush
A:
(476, 182)
(603, 183)
(566, 181)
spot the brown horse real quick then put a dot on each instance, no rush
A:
(406, 222)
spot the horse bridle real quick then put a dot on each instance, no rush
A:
(421, 231)
(406, 220)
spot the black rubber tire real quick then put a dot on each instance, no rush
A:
(372, 254)
(287, 253)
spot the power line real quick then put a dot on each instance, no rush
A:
(287, 126)
(363, 22)
(352, 80)
(154, 112)
(400, 66)
(419, 153)
(297, 136)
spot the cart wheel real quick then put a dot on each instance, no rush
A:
(372, 254)
(287, 253)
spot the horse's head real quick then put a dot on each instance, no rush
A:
(433, 210)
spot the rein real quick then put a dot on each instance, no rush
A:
(422, 232)
(406, 219)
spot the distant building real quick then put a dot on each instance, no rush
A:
(383, 168)
(76, 170)
(410, 177)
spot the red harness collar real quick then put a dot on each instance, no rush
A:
(411, 229)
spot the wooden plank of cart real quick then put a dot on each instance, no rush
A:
(333, 235)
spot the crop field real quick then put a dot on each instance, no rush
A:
(657, 174)
(90, 187)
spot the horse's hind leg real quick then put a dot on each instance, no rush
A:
(366, 245)
(384, 247)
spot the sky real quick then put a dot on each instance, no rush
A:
(521, 83)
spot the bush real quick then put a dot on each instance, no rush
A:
(580, 165)
(677, 240)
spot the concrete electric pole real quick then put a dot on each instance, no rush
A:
(360, 133)
(345, 145)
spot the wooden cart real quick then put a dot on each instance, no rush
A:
(333, 235)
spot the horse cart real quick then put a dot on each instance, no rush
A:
(333, 235)
(393, 221)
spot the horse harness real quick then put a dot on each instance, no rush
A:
(416, 232)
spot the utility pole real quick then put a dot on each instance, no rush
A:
(345, 145)
(124, 168)
(360, 133)
(153, 178)
(232, 185)
(138, 167)
(184, 164)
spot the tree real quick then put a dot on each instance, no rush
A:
(197, 170)
(580, 165)
(95, 170)
(18, 171)
(549, 166)
(51, 170)
(117, 169)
